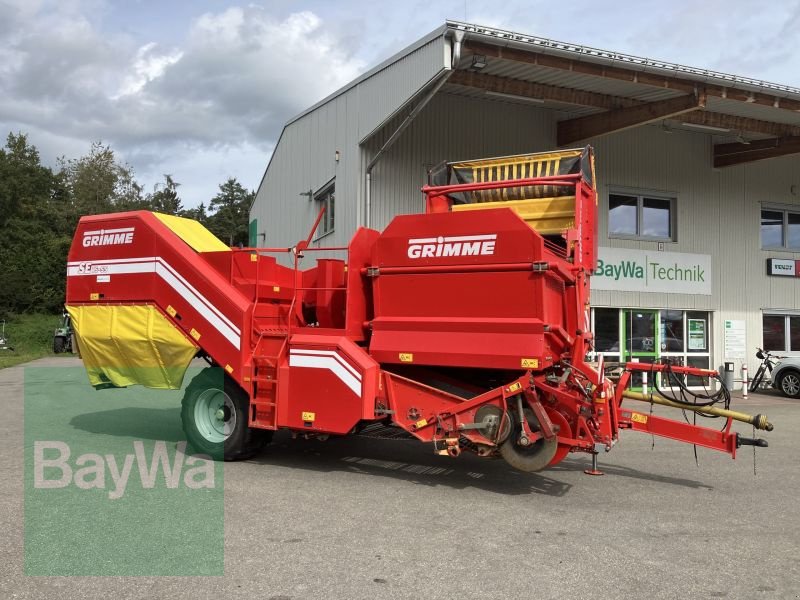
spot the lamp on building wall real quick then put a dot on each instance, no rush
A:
(478, 62)
(309, 193)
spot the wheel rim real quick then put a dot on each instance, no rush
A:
(215, 416)
(790, 384)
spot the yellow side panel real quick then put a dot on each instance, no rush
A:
(131, 345)
(548, 216)
(193, 233)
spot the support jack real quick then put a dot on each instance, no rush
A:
(594, 470)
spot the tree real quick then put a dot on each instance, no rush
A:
(23, 179)
(37, 229)
(198, 214)
(97, 183)
(230, 213)
(164, 198)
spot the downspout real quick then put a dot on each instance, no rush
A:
(458, 40)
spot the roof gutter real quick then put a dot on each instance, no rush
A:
(457, 43)
(531, 43)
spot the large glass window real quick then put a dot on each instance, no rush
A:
(683, 337)
(641, 217)
(656, 218)
(606, 330)
(780, 230)
(781, 333)
(671, 331)
(622, 215)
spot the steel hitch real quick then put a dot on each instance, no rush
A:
(743, 441)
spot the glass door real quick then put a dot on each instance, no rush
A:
(640, 340)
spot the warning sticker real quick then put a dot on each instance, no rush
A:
(406, 357)
(530, 363)
(638, 418)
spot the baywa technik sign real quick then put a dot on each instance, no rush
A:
(621, 269)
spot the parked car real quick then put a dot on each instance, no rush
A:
(786, 376)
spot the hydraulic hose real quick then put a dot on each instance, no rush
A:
(757, 421)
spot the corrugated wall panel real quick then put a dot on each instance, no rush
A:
(304, 158)
(451, 127)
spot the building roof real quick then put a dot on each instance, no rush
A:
(596, 91)
(619, 59)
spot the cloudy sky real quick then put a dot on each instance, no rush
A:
(200, 89)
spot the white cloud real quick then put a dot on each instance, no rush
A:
(148, 65)
(205, 99)
(225, 92)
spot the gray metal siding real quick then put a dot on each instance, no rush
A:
(718, 214)
(304, 156)
(450, 128)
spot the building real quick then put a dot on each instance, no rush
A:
(698, 173)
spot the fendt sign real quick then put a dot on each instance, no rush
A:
(783, 267)
(621, 269)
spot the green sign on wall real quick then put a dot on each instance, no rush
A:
(253, 236)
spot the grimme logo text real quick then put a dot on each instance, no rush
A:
(52, 469)
(108, 237)
(458, 245)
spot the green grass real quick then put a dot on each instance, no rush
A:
(31, 336)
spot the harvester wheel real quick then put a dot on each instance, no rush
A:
(531, 458)
(214, 415)
(58, 345)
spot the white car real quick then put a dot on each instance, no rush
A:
(786, 376)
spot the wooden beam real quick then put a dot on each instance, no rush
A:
(727, 155)
(735, 123)
(591, 126)
(652, 79)
(530, 89)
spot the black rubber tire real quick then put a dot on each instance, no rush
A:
(756, 381)
(790, 379)
(244, 441)
(58, 344)
(532, 458)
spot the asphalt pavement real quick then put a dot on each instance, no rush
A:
(364, 518)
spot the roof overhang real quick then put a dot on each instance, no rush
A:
(597, 92)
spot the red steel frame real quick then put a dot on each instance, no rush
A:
(330, 380)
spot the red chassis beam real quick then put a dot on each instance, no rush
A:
(723, 440)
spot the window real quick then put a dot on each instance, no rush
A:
(780, 230)
(326, 196)
(642, 217)
(781, 333)
(649, 335)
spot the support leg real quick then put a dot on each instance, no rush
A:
(593, 470)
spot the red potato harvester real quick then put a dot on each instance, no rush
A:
(467, 326)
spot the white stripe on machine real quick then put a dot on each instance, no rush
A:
(157, 265)
(327, 359)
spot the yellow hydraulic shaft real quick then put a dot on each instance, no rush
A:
(757, 421)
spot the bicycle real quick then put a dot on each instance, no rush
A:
(768, 362)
